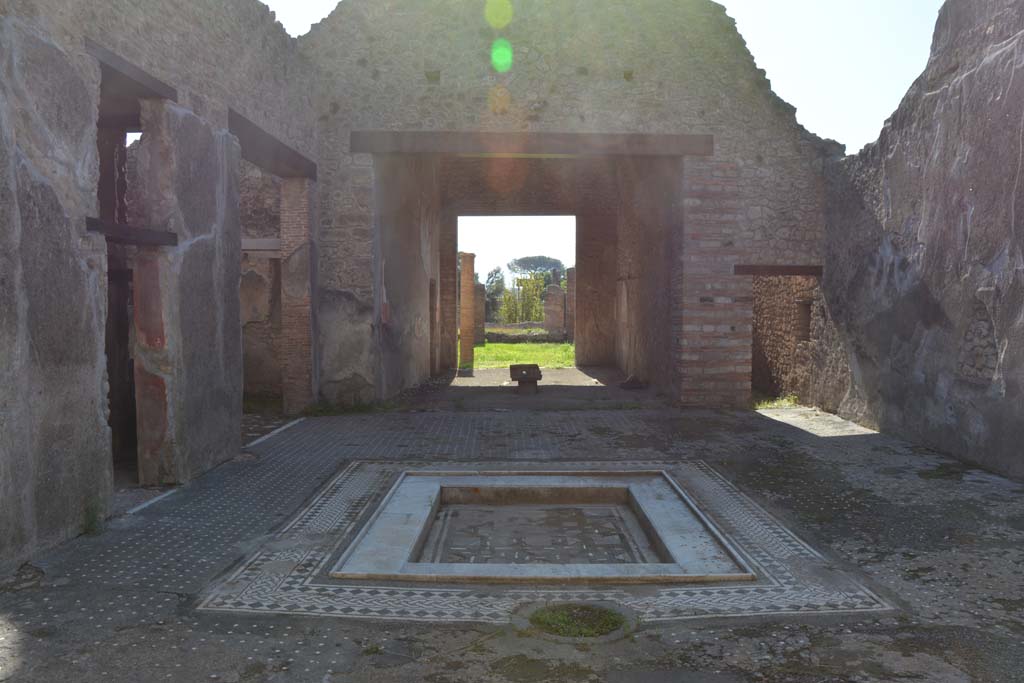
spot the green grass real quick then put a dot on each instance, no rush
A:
(577, 621)
(544, 355)
(767, 403)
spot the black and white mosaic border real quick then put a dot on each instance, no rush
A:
(288, 574)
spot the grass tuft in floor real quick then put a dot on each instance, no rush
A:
(768, 402)
(577, 621)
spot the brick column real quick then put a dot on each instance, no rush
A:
(480, 314)
(297, 260)
(713, 309)
(449, 292)
(570, 304)
(467, 308)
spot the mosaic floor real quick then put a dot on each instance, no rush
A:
(528, 534)
(288, 574)
(228, 578)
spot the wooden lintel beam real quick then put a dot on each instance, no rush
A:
(776, 271)
(127, 234)
(529, 144)
(130, 79)
(267, 152)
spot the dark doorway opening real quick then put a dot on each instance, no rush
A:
(115, 165)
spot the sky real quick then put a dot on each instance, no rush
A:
(844, 64)
(496, 240)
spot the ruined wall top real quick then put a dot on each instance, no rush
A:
(578, 65)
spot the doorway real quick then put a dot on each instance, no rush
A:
(523, 290)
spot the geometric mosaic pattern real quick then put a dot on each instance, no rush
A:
(537, 534)
(288, 575)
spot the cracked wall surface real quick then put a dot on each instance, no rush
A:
(54, 441)
(925, 248)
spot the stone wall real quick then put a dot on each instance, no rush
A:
(409, 229)
(925, 248)
(55, 445)
(187, 345)
(55, 450)
(596, 269)
(581, 66)
(648, 212)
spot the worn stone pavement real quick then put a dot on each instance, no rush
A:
(938, 539)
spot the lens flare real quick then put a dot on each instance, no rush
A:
(507, 176)
(499, 99)
(498, 13)
(502, 55)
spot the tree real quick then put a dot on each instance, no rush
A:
(523, 303)
(528, 265)
(495, 287)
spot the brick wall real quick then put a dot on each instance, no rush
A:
(449, 292)
(297, 253)
(713, 316)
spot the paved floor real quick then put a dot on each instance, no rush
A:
(939, 541)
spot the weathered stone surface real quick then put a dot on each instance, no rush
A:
(260, 202)
(54, 441)
(407, 199)
(648, 212)
(925, 248)
(347, 349)
(596, 248)
(194, 298)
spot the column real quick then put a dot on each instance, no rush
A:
(467, 308)
(297, 262)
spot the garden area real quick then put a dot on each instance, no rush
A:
(544, 355)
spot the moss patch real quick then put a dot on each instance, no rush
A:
(577, 621)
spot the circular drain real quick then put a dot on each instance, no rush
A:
(574, 621)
